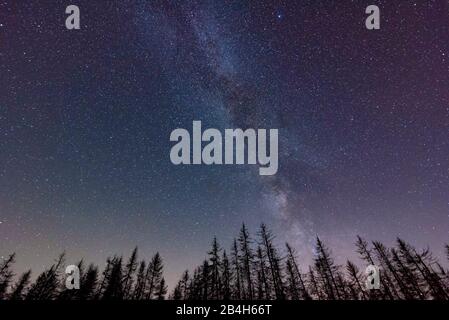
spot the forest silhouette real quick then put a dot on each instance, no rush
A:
(255, 268)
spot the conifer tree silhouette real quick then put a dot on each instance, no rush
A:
(254, 270)
(226, 277)
(6, 274)
(139, 288)
(161, 290)
(114, 287)
(46, 285)
(18, 291)
(246, 261)
(274, 261)
(355, 282)
(263, 284)
(153, 276)
(238, 292)
(327, 271)
(129, 272)
(205, 283)
(291, 256)
(387, 290)
(214, 269)
(106, 274)
(88, 284)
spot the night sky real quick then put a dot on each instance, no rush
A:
(86, 116)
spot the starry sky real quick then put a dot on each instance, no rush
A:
(86, 115)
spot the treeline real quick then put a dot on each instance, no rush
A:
(255, 268)
(130, 280)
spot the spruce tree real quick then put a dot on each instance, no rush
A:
(18, 291)
(139, 288)
(246, 260)
(274, 261)
(46, 285)
(128, 279)
(153, 276)
(114, 287)
(6, 274)
(214, 268)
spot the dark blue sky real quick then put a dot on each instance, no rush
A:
(86, 115)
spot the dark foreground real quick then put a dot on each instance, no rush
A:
(224, 309)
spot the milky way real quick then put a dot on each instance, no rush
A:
(86, 115)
